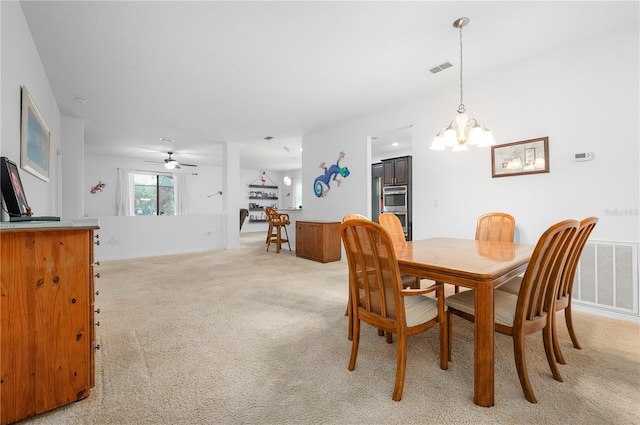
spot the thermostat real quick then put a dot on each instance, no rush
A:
(583, 156)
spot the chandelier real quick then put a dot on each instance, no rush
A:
(462, 131)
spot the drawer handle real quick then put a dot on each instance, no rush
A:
(97, 292)
(98, 311)
(98, 347)
(97, 263)
(97, 323)
(97, 275)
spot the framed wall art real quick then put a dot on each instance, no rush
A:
(517, 158)
(35, 139)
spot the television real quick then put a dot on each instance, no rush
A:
(15, 199)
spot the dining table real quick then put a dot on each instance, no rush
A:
(480, 265)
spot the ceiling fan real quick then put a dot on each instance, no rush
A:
(171, 163)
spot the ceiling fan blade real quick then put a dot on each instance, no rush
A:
(188, 165)
(154, 162)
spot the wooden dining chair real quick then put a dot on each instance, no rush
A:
(526, 313)
(565, 288)
(352, 216)
(378, 298)
(494, 226)
(392, 224)
(277, 222)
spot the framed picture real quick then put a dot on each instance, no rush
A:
(517, 158)
(35, 139)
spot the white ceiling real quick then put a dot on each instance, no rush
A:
(206, 72)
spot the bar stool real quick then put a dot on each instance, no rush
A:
(277, 221)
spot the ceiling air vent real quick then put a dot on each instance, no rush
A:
(440, 67)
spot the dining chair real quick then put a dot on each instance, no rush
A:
(526, 313)
(277, 222)
(378, 298)
(392, 224)
(352, 216)
(494, 226)
(565, 288)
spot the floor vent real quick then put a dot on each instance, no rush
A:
(607, 277)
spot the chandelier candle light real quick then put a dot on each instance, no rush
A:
(462, 131)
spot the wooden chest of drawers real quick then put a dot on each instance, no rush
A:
(46, 307)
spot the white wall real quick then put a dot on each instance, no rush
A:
(131, 237)
(102, 168)
(584, 97)
(21, 66)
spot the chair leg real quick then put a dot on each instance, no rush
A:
(287, 235)
(401, 366)
(269, 238)
(547, 338)
(278, 242)
(568, 317)
(355, 342)
(521, 366)
(389, 337)
(443, 328)
(350, 317)
(456, 289)
(450, 333)
(556, 344)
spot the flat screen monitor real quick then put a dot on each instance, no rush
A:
(12, 191)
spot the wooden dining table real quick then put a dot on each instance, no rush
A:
(481, 265)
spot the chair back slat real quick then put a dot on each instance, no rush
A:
(541, 279)
(566, 283)
(495, 226)
(374, 275)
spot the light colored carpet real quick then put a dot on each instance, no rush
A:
(250, 337)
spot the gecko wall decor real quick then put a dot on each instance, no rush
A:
(321, 185)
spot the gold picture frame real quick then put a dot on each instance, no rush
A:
(35, 139)
(518, 158)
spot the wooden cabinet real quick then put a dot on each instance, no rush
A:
(318, 240)
(397, 171)
(377, 170)
(46, 310)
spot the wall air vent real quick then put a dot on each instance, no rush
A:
(440, 67)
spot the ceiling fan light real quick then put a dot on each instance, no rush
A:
(170, 165)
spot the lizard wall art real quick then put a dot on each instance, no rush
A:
(321, 185)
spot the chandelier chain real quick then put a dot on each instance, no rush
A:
(461, 107)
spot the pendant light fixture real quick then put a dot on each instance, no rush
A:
(462, 131)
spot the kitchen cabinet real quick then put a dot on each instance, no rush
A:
(377, 170)
(318, 240)
(47, 318)
(397, 171)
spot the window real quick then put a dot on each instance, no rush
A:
(153, 194)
